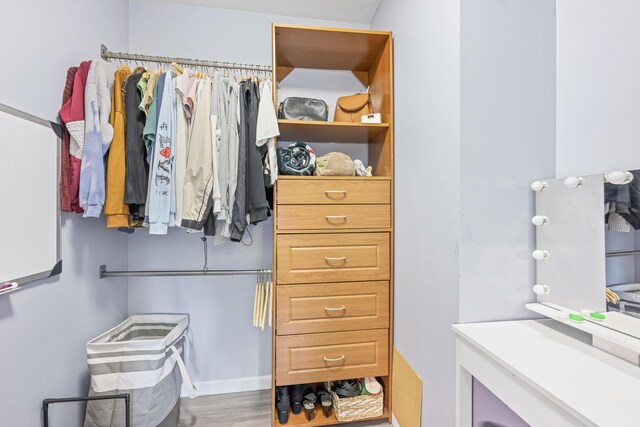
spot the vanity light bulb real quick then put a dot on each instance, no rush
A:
(539, 185)
(541, 289)
(574, 181)
(618, 177)
(540, 255)
(539, 220)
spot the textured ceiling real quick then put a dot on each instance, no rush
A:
(361, 11)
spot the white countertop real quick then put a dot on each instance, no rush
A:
(560, 362)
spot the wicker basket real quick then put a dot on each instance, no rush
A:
(358, 407)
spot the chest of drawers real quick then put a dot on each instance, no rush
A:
(333, 273)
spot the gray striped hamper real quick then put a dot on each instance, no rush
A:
(142, 356)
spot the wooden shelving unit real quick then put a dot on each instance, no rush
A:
(327, 252)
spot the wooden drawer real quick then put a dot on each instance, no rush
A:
(302, 359)
(333, 217)
(304, 309)
(345, 257)
(333, 191)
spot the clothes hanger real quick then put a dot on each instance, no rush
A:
(177, 68)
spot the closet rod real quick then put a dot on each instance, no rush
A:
(622, 253)
(163, 273)
(107, 54)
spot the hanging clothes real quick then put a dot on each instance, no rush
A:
(257, 206)
(183, 84)
(239, 214)
(97, 137)
(166, 149)
(115, 210)
(198, 180)
(225, 106)
(72, 115)
(161, 215)
(267, 131)
(137, 168)
(65, 156)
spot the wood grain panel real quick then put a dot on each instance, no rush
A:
(328, 357)
(333, 191)
(407, 392)
(304, 309)
(346, 257)
(333, 217)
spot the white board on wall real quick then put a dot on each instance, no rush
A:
(29, 212)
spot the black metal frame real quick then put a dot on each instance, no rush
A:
(125, 396)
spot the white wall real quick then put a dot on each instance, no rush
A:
(44, 328)
(427, 191)
(226, 346)
(508, 141)
(598, 98)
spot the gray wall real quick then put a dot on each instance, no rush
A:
(475, 102)
(508, 141)
(598, 92)
(44, 328)
(427, 191)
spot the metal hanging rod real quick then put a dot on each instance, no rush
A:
(164, 273)
(107, 54)
(623, 253)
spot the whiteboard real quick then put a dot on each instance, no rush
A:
(29, 209)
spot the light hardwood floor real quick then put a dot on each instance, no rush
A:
(250, 409)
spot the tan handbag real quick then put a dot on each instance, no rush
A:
(350, 108)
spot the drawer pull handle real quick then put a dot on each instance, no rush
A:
(335, 308)
(328, 193)
(342, 258)
(337, 359)
(330, 217)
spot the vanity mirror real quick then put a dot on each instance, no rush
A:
(587, 264)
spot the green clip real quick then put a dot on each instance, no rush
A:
(597, 316)
(576, 317)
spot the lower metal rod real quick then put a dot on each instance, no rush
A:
(165, 273)
(622, 253)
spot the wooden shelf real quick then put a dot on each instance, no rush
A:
(327, 48)
(355, 178)
(320, 420)
(313, 131)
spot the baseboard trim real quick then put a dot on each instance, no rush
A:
(233, 385)
(394, 421)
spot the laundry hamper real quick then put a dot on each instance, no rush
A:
(141, 356)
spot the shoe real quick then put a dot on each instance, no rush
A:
(348, 388)
(372, 385)
(309, 394)
(325, 401)
(296, 399)
(282, 399)
(309, 409)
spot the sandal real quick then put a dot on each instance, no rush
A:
(372, 385)
(282, 399)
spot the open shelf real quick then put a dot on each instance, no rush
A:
(314, 131)
(320, 420)
(327, 48)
